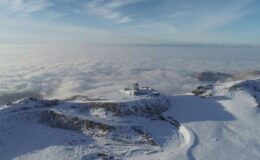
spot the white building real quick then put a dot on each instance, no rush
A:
(135, 86)
(137, 91)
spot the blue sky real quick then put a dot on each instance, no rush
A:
(129, 21)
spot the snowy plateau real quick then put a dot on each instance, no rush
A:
(216, 122)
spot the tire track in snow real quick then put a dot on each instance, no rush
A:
(190, 139)
(180, 148)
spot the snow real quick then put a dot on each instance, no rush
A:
(222, 126)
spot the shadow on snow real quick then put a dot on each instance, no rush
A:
(189, 108)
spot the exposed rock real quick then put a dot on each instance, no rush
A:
(171, 120)
(251, 86)
(209, 76)
(82, 98)
(204, 91)
(99, 156)
(147, 137)
(110, 123)
(37, 103)
(152, 106)
(62, 121)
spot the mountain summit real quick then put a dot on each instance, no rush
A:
(218, 122)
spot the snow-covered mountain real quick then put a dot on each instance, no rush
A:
(219, 122)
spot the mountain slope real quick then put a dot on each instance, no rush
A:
(83, 128)
(221, 122)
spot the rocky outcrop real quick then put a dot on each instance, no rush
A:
(57, 120)
(209, 76)
(203, 91)
(252, 87)
(150, 106)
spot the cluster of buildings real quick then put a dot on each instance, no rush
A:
(138, 91)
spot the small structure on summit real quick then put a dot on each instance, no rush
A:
(137, 91)
(135, 86)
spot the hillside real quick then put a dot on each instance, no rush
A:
(219, 122)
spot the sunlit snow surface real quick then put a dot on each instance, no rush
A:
(222, 126)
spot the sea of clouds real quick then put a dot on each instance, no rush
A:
(62, 71)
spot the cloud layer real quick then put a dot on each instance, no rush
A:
(58, 72)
